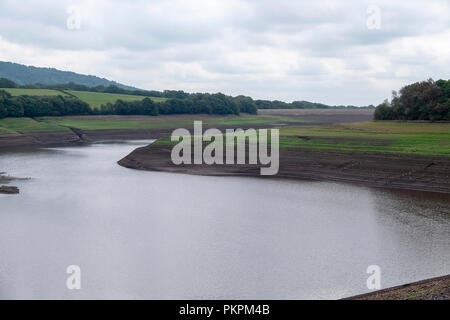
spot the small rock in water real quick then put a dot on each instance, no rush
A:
(9, 190)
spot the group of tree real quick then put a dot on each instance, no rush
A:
(425, 100)
(197, 103)
(178, 102)
(38, 106)
(169, 94)
(276, 104)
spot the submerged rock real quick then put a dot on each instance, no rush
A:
(9, 190)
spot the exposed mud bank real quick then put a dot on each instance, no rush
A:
(78, 136)
(5, 179)
(430, 289)
(75, 136)
(164, 126)
(38, 139)
(397, 171)
(9, 190)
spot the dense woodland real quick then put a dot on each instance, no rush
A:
(32, 106)
(426, 100)
(199, 103)
(37, 106)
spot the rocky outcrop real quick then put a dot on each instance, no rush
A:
(9, 190)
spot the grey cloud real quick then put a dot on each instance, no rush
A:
(274, 49)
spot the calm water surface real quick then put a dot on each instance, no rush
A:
(159, 235)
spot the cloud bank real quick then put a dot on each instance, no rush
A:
(322, 51)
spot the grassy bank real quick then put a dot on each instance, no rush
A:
(26, 125)
(390, 137)
(369, 136)
(159, 122)
(23, 125)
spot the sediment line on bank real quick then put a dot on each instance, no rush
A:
(430, 289)
(74, 136)
(397, 171)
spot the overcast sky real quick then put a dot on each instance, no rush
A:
(334, 52)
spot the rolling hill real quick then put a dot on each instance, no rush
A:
(23, 75)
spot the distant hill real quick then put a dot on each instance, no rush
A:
(23, 75)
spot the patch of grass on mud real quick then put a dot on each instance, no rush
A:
(114, 123)
(413, 138)
(392, 137)
(25, 125)
(4, 131)
(248, 120)
(161, 121)
(168, 141)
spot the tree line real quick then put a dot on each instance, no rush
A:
(267, 104)
(425, 100)
(172, 94)
(217, 103)
(38, 106)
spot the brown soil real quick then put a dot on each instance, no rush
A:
(397, 171)
(76, 136)
(431, 289)
(38, 139)
(322, 116)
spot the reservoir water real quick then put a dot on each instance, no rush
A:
(154, 235)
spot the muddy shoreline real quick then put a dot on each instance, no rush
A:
(430, 289)
(75, 137)
(78, 136)
(395, 171)
(72, 136)
(398, 171)
(5, 179)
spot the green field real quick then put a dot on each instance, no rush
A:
(381, 136)
(110, 123)
(33, 92)
(391, 137)
(12, 125)
(26, 125)
(150, 122)
(248, 120)
(96, 99)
